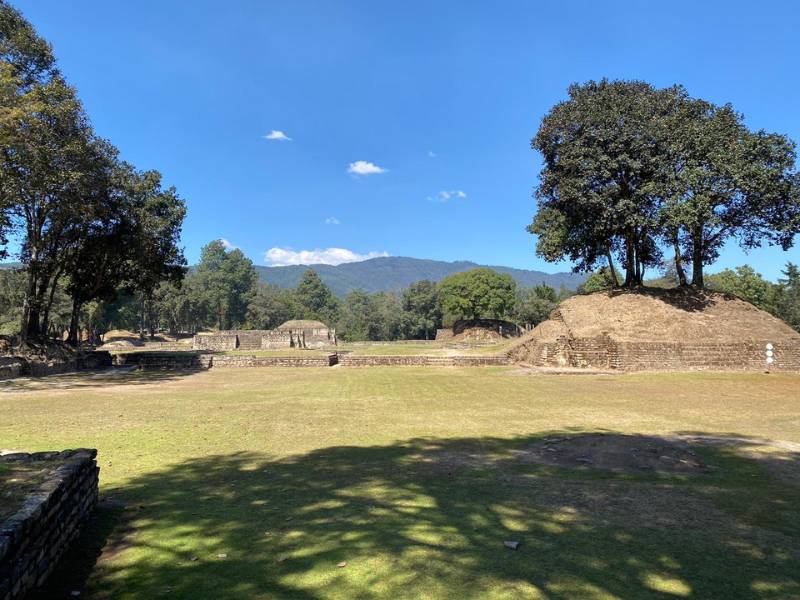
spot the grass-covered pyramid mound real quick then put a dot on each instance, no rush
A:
(659, 329)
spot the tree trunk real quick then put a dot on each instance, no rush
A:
(611, 269)
(141, 318)
(630, 261)
(697, 257)
(28, 305)
(49, 305)
(74, 332)
(679, 262)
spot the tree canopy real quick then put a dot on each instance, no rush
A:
(631, 171)
(83, 218)
(478, 293)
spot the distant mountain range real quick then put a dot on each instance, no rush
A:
(393, 273)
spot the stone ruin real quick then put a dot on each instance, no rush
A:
(479, 330)
(299, 334)
(660, 330)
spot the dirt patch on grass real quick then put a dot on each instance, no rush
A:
(618, 453)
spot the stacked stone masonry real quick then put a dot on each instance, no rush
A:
(17, 366)
(34, 538)
(349, 360)
(264, 339)
(604, 352)
(274, 361)
(163, 361)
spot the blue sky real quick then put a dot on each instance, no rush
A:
(430, 105)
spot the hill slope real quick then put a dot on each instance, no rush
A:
(394, 273)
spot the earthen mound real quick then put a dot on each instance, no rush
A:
(483, 330)
(656, 329)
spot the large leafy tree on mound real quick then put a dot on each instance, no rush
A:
(601, 158)
(478, 293)
(719, 180)
(630, 170)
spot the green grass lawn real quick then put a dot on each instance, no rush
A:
(258, 483)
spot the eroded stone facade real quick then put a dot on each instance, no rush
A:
(34, 538)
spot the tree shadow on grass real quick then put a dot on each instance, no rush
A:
(93, 378)
(428, 518)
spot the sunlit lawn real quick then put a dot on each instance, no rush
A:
(257, 483)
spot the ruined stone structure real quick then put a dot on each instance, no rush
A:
(292, 334)
(33, 539)
(350, 360)
(479, 330)
(669, 330)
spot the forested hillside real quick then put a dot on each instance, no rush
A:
(393, 273)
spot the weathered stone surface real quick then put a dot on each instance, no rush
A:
(349, 360)
(34, 538)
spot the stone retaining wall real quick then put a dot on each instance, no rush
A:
(215, 341)
(163, 361)
(603, 352)
(274, 361)
(744, 356)
(263, 339)
(11, 366)
(348, 360)
(34, 538)
(19, 366)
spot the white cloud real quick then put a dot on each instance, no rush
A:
(446, 195)
(227, 245)
(332, 221)
(363, 167)
(431, 154)
(277, 134)
(281, 257)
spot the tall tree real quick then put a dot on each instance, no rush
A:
(478, 293)
(788, 296)
(315, 299)
(534, 304)
(720, 180)
(422, 311)
(270, 307)
(601, 154)
(228, 280)
(630, 170)
(155, 255)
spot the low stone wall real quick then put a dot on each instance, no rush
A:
(34, 538)
(163, 361)
(11, 366)
(18, 366)
(274, 361)
(349, 360)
